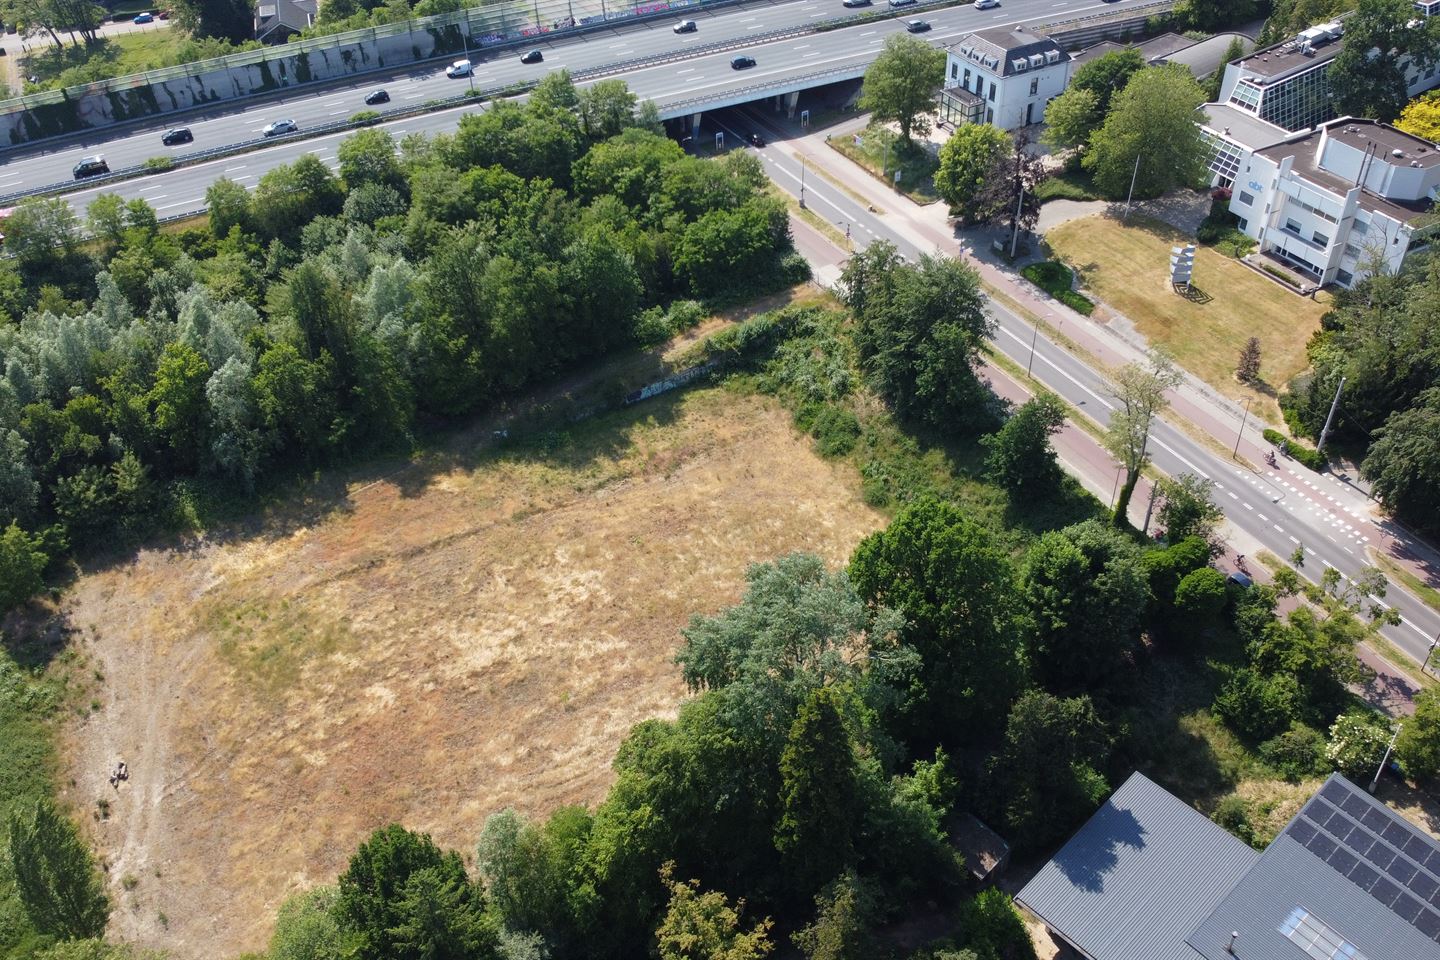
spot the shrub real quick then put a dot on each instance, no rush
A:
(835, 430)
(1233, 815)
(1201, 593)
(1418, 746)
(365, 117)
(1055, 279)
(1256, 706)
(157, 164)
(1357, 743)
(993, 928)
(1296, 754)
(1306, 456)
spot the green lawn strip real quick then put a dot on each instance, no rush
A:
(880, 152)
(1427, 594)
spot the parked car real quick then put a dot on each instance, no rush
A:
(163, 15)
(176, 135)
(986, 4)
(144, 18)
(686, 26)
(460, 68)
(742, 63)
(90, 167)
(532, 56)
(376, 96)
(756, 140)
(277, 127)
(856, 3)
(918, 26)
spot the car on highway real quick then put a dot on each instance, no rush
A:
(742, 63)
(986, 4)
(144, 18)
(756, 140)
(460, 68)
(855, 3)
(918, 26)
(686, 26)
(277, 127)
(163, 14)
(90, 167)
(176, 135)
(376, 96)
(532, 56)
(894, 4)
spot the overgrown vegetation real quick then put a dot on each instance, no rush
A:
(1056, 279)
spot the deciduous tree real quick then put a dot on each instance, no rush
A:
(1019, 453)
(1367, 79)
(1187, 508)
(1048, 770)
(1404, 462)
(900, 85)
(704, 926)
(819, 795)
(967, 160)
(1421, 116)
(55, 876)
(1141, 392)
(1151, 120)
(1418, 746)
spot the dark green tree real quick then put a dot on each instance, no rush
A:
(1047, 777)
(1187, 508)
(1418, 745)
(1019, 453)
(1153, 120)
(1086, 592)
(232, 20)
(955, 588)
(967, 160)
(819, 795)
(993, 928)
(900, 85)
(22, 566)
(54, 874)
(1367, 78)
(1404, 462)
(1107, 75)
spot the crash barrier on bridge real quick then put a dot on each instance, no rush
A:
(1120, 24)
(511, 23)
(371, 117)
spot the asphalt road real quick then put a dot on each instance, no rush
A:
(1278, 509)
(27, 168)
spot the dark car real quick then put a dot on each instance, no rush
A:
(856, 3)
(534, 56)
(90, 167)
(756, 140)
(902, 3)
(177, 135)
(918, 26)
(742, 63)
(376, 96)
(686, 26)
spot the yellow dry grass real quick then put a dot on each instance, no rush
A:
(433, 650)
(1127, 266)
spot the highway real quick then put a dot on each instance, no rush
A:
(703, 75)
(1274, 509)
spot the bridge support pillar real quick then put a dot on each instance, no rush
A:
(695, 126)
(792, 100)
(779, 102)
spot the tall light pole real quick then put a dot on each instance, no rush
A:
(465, 38)
(802, 181)
(1430, 653)
(1128, 196)
(1236, 452)
(1033, 337)
(1330, 417)
(1385, 759)
(1015, 227)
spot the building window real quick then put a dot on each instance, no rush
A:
(955, 71)
(1292, 226)
(1352, 251)
(967, 77)
(1034, 86)
(1360, 228)
(1242, 224)
(1246, 199)
(989, 115)
(1344, 277)
(992, 91)
(1320, 238)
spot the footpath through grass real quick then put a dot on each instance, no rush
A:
(881, 152)
(1127, 267)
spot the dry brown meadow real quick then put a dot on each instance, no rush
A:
(429, 651)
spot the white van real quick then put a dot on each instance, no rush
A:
(460, 68)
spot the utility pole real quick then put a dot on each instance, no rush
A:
(1430, 653)
(1330, 417)
(885, 164)
(1033, 337)
(465, 37)
(802, 181)
(1015, 227)
(1154, 489)
(1236, 452)
(1133, 176)
(1385, 759)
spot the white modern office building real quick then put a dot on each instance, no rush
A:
(1329, 202)
(1005, 76)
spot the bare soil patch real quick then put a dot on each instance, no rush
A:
(428, 654)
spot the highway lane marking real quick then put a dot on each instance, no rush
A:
(1263, 517)
(244, 176)
(1294, 541)
(1247, 506)
(744, 19)
(692, 70)
(815, 54)
(1278, 528)
(179, 203)
(868, 33)
(1232, 495)
(158, 196)
(1348, 550)
(318, 150)
(806, 46)
(240, 167)
(414, 96)
(338, 112)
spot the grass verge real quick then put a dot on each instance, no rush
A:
(882, 153)
(1427, 594)
(1068, 185)
(1125, 266)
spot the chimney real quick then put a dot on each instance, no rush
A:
(1231, 948)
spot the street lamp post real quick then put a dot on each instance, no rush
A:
(1430, 653)
(1033, 337)
(1015, 227)
(802, 181)
(1236, 452)
(1134, 174)
(1375, 781)
(465, 38)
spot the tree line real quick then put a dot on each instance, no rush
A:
(320, 316)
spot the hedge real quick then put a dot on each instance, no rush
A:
(1055, 279)
(1313, 459)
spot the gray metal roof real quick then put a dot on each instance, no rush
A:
(1350, 862)
(1138, 877)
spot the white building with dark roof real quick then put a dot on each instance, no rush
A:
(1005, 76)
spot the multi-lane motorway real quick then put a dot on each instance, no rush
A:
(674, 81)
(1276, 509)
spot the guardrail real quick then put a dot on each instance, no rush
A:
(497, 25)
(839, 73)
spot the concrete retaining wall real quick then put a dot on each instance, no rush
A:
(1121, 27)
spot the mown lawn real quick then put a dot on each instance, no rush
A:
(881, 152)
(1127, 268)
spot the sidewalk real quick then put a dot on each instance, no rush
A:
(1349, 509)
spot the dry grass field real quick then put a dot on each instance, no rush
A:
(441, 644)
(1126, 267)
